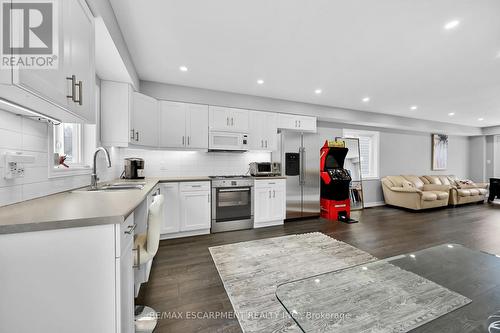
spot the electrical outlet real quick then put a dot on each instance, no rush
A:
(14, 170)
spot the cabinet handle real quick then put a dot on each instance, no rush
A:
(300, 123)
(73, 87)
(262, 143)
(137, 136)
(131, 229)
(138, 251)
(133, 134)
(80, 93)
(232, 121)
(274, 194)
(227, 121)
(183, 140)
(189, 140)
(266, 143)
(269, 194)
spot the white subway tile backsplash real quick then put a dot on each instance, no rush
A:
(188, 163)
(10, 139)
(34, 143)
(30, 137)
(10, 121)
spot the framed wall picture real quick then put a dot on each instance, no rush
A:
(439, 152)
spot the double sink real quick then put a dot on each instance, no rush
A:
(112, 187)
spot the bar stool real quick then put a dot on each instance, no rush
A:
(146, 245)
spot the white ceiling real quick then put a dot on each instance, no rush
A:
(397, 52)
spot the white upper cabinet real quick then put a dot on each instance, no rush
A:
(228, 119)
(79, 25)
(144, 120)
(297, 123)
(69, 90)
(116, 99)
(183, 125)
(128, 117)
(263, 130)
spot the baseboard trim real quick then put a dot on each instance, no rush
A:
(185, 234)
(374, 204)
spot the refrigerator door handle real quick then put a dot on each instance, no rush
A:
(302, 159)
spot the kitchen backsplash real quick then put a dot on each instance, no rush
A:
(28, 136)
(160, 163)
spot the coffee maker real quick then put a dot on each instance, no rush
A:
(134, 168)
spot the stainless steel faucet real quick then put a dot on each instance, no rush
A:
(93, 178)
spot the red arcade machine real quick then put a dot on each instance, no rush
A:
(335, 183)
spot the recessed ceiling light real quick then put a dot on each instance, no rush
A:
(318, 91)
(260, 81)
(183, 69)
(366, 99)
(451, 114)
(452, 24)
(480, 119)
(413, 107)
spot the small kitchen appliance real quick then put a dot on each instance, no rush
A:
(261, 169)
(232, 204)
(335, 182)
(134, 168)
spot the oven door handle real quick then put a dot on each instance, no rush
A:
(247, 189)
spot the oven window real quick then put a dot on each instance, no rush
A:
(222, 140)
(233, 204)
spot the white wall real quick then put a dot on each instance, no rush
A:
(184, 164)
(28, 136)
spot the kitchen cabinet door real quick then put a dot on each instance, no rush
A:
(278, 203)
(219, 118)
(49, 84)
(195, 210)
(116, 100)
(257, 130)
(79, 25)
(262, 204)
(126, 284)
(144, 120)
(173, 117)
(239, 120)
(171, 222)
(271, 131)
(308, 124)
(197, 126)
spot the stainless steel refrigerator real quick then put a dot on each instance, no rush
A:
(299, 157)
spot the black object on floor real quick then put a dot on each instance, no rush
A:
(494, 189)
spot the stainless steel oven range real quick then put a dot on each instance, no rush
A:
(232, 204)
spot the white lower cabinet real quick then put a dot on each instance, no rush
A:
(77, 280)
(187, 209)
(269, 202)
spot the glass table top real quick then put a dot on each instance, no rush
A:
(329, 298)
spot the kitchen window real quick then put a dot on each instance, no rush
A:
(68, 143)
(369, 148)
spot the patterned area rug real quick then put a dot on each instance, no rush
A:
(251, 272)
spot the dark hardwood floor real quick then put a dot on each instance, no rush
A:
(184, 279)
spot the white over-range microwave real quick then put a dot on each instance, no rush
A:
(228, 141)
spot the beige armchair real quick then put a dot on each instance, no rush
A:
(460, 192)
(411, 192)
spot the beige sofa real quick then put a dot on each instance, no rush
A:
(461, 192)
(425, 192)
(412, 193)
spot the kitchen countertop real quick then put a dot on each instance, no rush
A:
(78, 209)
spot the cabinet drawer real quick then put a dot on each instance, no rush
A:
(195, 186)
(269, 183)
(124, 235)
